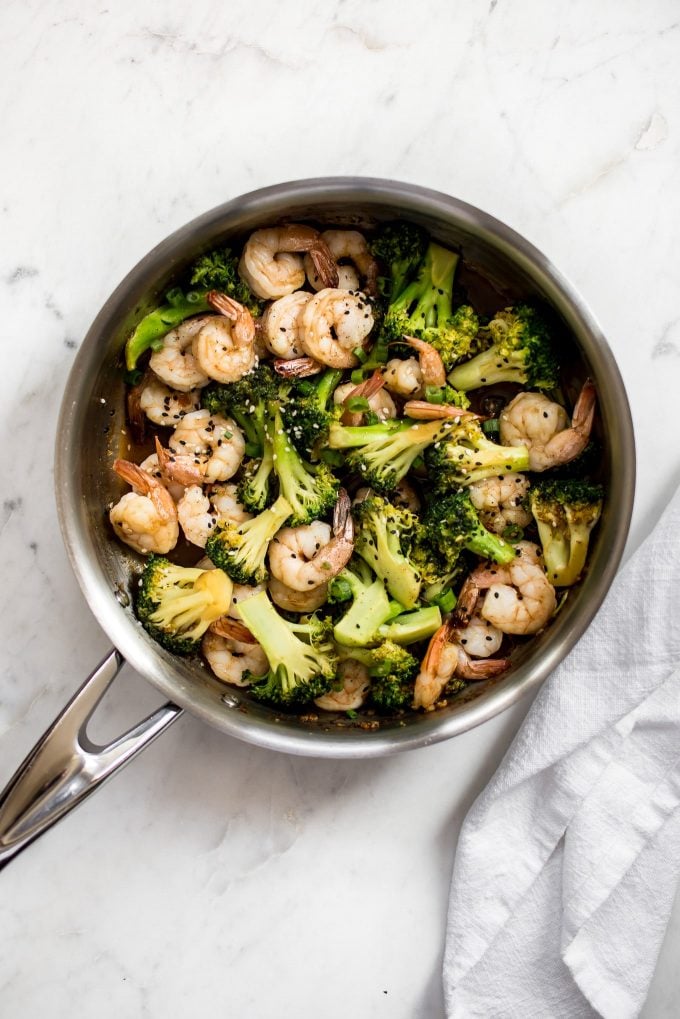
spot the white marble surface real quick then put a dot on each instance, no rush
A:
(213, 878)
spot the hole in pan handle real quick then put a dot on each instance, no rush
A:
(65, 766)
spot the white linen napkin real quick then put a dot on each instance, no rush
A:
(568, 861)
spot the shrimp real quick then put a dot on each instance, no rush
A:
(305, 557)
(233, 661)
(479, 637)
(198, 513)
(421, 410)
(281, 325)
(225, 346)
(204, 448)
(151, 466)
(291, 600)
(334, 324)
(146, 520)
(445, 658)
(162, 405)
(532, 420)
(272, 266)
(408, 378)
(351, 695)
(499, 501)
(519, 597)
(379, 401)
(174, 363)
(347, 245)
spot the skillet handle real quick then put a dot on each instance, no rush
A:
(64, 766)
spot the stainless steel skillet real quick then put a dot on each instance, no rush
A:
(65, 766)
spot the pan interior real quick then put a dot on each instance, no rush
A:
(500, 267)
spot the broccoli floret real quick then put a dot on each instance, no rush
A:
(309, 411)
(465, 455)
(311, 490)
(240, 549)
(218, 270)
(176, 605)
(255, 488)
(423, 308)
(411, 627)
(384, 538)
(452, 522)
(302, 657)
(400, 248)
(565, 514)
(370, 605)
(392, 670)
(154, 326)
(246, 401)
(520, 352)
(384, 453)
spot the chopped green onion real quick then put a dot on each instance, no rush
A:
(491, 427)
(446, 600)
(434, 394)
(175, 295)
(357, 404)
(360, 354)
(351, 714)
(339, 590)
(133, 378)
(382, 669)
(513, 533)
(357, 376)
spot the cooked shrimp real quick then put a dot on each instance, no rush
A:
(271, 263)
(479, 637)
(225, 346)
(151, 466)
(499, 501)
(281, 325)
(297, 601)
(334, 324)
(165, 406)
(305, 557)
(532, 420)
(379, 401)
(146, 520)
(446, 658)
(351, 695)
(403, 377)
(174, 363)
(421, 410)
(233, 661)
(199, 512)
(204, 448)
(408, 378)
(519, 597)
(351, 246)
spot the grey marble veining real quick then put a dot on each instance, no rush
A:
(211, 877)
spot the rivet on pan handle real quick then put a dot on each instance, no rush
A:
(65, 766)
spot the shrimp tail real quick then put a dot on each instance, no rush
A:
(174, 471)
(225, 305)
(584, 410)
(421, 410)
(431, 364)
(466, 604)
(367, 389)
(484, 668)
(343, 523)
(231, 628)
(133, 474)
(297, 367)
(135, 415)
(324, 263)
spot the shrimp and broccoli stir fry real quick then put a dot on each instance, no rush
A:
(362, 491)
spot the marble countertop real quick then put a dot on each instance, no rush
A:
(211, 877)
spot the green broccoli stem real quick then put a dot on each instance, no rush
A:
(254, 489)
(411, 627)
(489, 368)
(161, 320)
(326, 386)
(354, 436)
(490, 546)
(369, 610)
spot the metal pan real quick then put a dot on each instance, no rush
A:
(65, 767)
